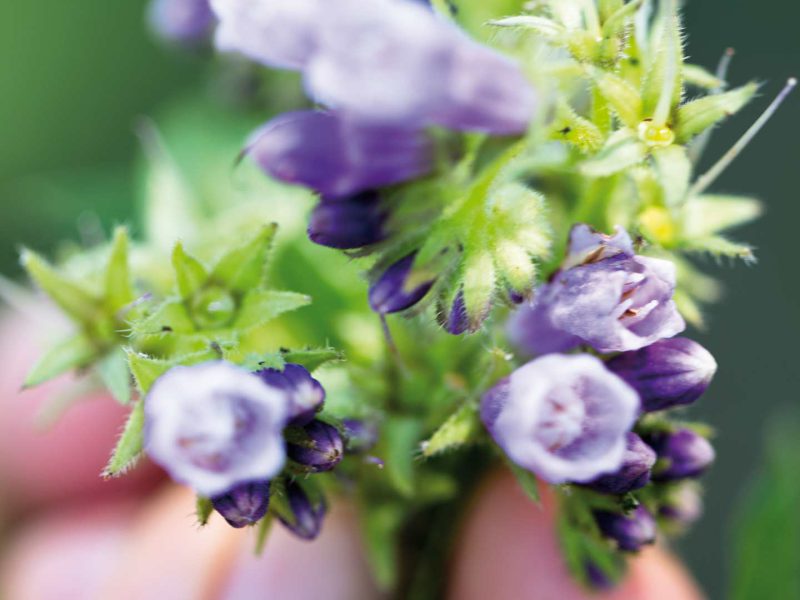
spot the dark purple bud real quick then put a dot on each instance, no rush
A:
(307, 514)
(183, 21)
(347, 223)
(388, 293)
(457, 319)
(306, 393)
(667, 373)
(683, 506)
(245, 504)
(635, 471)
(632, 531)
(320, 447)
(681, 454)
(361, 435)
(596, 578)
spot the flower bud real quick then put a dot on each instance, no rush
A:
(182, 21)
(668, 373)
(306, 514)
(595, 576)
(243, 505)
(635, 471)
(319, 448)
(631, 532)
(306, 394)
(457, 321)
(388, 293)
(682, 507)
(681, 454)
(347, 223)
(361, 435)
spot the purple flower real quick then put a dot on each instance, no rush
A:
(667, 373)
(389, 294)
(306, 394)
(306, 514)
(337, 156)
(214, 426)
(635, 470)
(278, 33)
(351, 222)
(606, 297)
(457, 321)
(595, 576)
(565, 418)
(181, 20)
(245, 504)
(632, 531)
(681, 454)
(319, 447)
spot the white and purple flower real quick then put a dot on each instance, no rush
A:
(565, 418)
(605, 296)
(215, 426)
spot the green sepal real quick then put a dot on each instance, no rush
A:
(720, 246)
(168, 317)
(461, 428)
(129, 447)
(113, 371)
(616, 22)
(623, 149)
(526, 480)
(542, 26)
(70, 296)
(698, 76)
(570, 127)
(698, 115)
(118, 286)
(74, 352)
(261, 306)
(190, 274)
(515, 265)
(623, 98)
(401, 437)
(478, 283)
(381, 522)
(243, 268)
(312, 358)
(262, 533)
(708, 215)
(674, 170)
(203, 510)
(146, 369)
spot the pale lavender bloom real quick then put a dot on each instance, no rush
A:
(181, 20)
(278, 33)
(214, 426)
(306, 394)
(667, 373)
(565, 418)
(338, 156)
(606, 297)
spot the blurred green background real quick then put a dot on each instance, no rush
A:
(76, 75)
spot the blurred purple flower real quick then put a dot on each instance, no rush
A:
(214, 426)
(351, 222)
(606, 297)
(337, 156)
(243, 505)
(389, 295)
(306, 514)
(681, 454)
(565, 418)
(683, 506)
(667, 373)
(361, 435)
(306, 394)
(635, 470)
(183, 21)
(319, 448)
(632, 531)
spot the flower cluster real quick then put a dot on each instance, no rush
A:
(223, 431)
(597, 422)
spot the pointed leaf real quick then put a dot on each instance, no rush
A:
(708, 214)
(542, 26)
(242, 268)
(69, 295)
(129, 446)
(719, 246)
(401, 436)
(190, 275)
(700, 77)
(260, 306)
(74, 352)
(623, 98)
(622, 150)
(526, 480)
(113, 370)
(169, 317)
(118, 286)
(697, 116)
(313, 358)
(146, 370)
(264, 527)
(674, 169)
(204, 508)
(463, 427)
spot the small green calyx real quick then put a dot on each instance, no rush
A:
(213, 308)
(655, 136)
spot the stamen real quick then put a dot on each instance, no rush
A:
(711, 175)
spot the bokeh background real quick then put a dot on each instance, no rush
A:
(75, 76)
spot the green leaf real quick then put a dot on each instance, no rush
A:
(170, 316)
(204, 508)
(242, 268)
(674, 170)
(129, 446)
(118, 287)
(74, 352)
(695, 117)
(700, 77)
(540, 25)
(190, 275)
(622, 150)
(70, 296)
(462, 427)
(720, 246)
(401, 437)
(526, 480)
(622, 97)
(708, 215)
(146, 370)
(113, 370)
(261, 306)
(312, 358)
(381, 523)
(264, 527)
